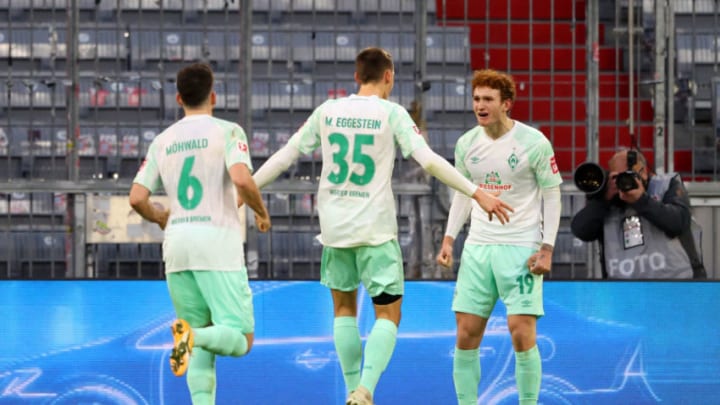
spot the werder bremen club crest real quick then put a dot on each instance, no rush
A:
(513, 161)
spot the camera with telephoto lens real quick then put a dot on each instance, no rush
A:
(625, 181)
(591, 179)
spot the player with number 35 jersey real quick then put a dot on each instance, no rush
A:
(358, 136)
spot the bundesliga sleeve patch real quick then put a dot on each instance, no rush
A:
(242, 146)
(553, 165)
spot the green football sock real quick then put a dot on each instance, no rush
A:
(348, 346)
(201, 377)
(222, 340)
(378, 350)
(466, 375)
(528, 372)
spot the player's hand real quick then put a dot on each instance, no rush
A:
(541, 261)
(493, 205)
(163, 218)
(262, 222)
(445, 256)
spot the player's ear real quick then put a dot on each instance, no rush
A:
(213, 98)
(357, 78)
(178, 99)
(388, 76)
(507, 104)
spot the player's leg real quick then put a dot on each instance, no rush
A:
(193, 312)
(473, 302)
(346, 336)
(466, 359)
(229, 298)
(201, 377)
(337, 272)
(521, 291)
(528, 365)
(381, 271)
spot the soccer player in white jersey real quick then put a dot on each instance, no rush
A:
(506, 262)
(203, 164)
(358, 136)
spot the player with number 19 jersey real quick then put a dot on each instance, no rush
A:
(358, 136)
(518, 165)
(187, 161)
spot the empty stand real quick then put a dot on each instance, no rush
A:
(302, 54)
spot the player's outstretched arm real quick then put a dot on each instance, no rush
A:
(249, 192)
(445, 172)
(140, 202)
(279, 162)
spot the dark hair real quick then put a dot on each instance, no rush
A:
(495, 80)
(194, 83)
(371, 64)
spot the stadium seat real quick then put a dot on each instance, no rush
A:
(286, 95)
(278, 204)
(543, 58)
(449, 94)
(4, 43)
(268, 45)
(329, 46)
(447, 45)
(330, 89)
(694, 6)
(502, 10)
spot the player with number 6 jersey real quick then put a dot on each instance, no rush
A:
(203, 165)
(358, 136)
(184, 159)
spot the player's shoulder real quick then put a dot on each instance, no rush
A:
(469, 137)
(165, 135)
(528, 135)
(391, 105)
(225, 124)
(230, 129)
(327, 107)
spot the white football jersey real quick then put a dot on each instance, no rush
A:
(190, 161)
(358, 136)
(518, 165)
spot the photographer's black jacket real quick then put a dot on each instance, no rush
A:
(671, 216)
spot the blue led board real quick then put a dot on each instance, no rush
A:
(107, 342)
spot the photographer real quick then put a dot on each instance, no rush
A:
(642, 221)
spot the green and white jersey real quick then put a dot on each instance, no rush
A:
(358, 136)
(190, 161)
(518, 165)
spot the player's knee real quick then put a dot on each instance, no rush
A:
(385, 299)
(250, 339)
(522, 339)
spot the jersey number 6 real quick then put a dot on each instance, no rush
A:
(190, 189)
